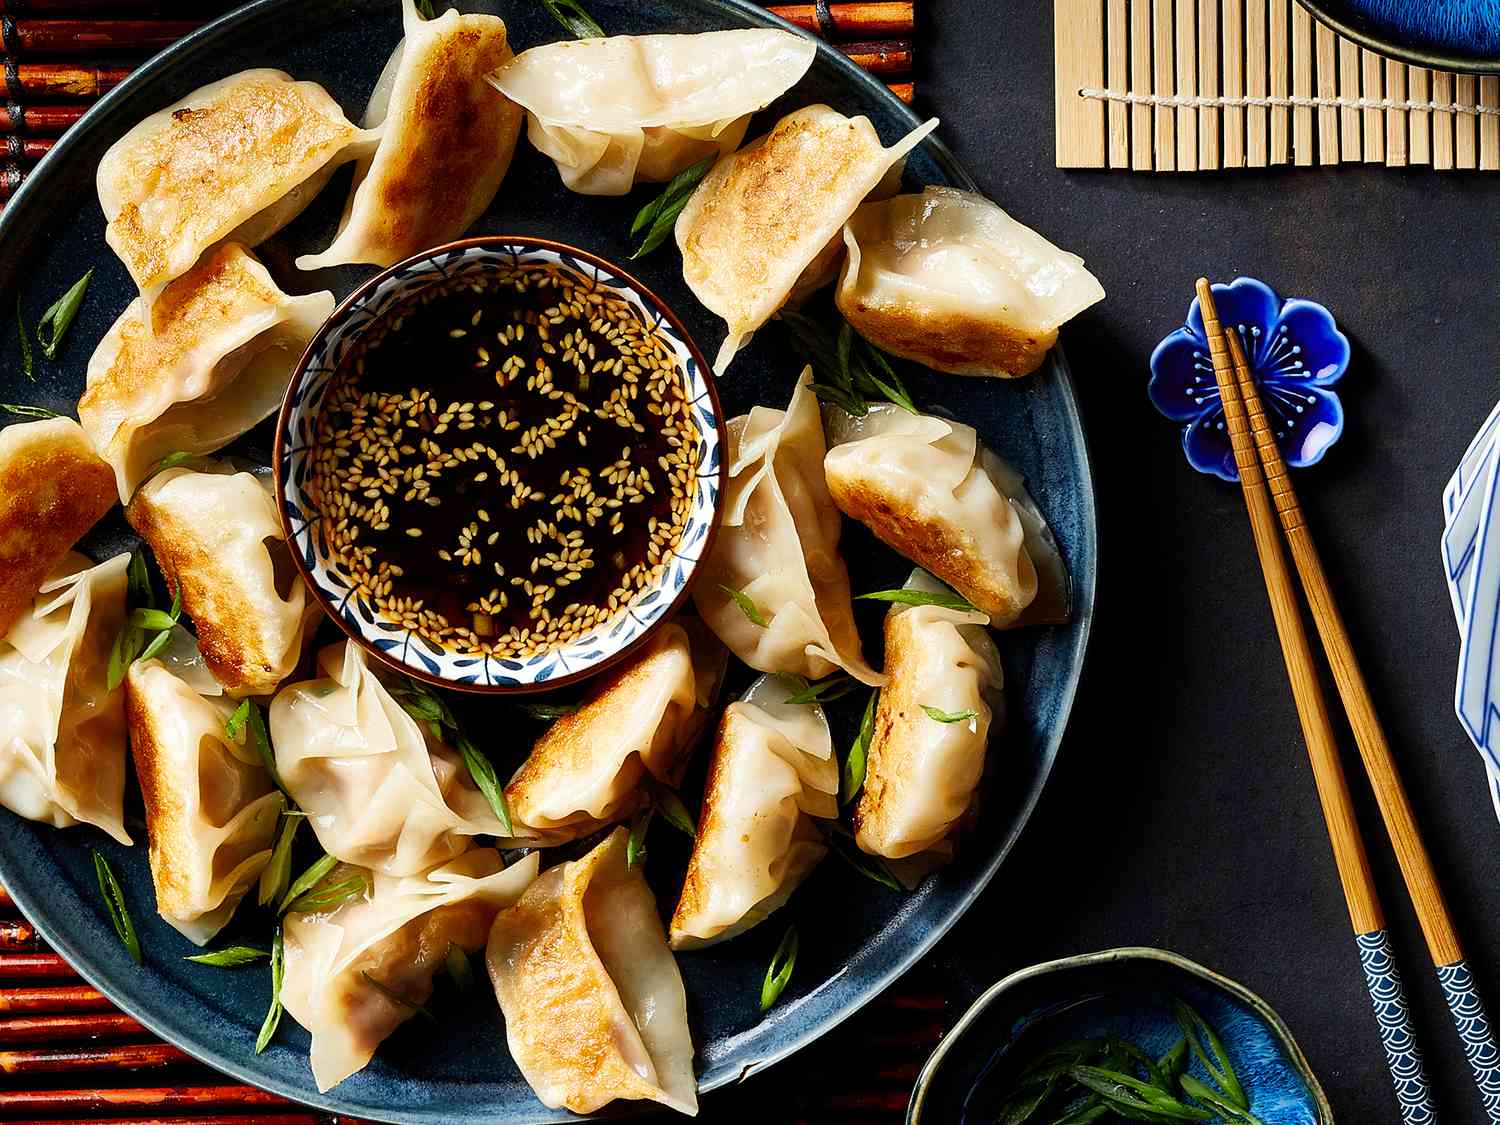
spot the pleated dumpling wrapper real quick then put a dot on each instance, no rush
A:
(237, 159)
(225, 343)
(344, 966)
(220, 545)
(361, 768)
(211, 807)
(594, 1005)
(928, 488)
(778, 550)
(62, 730)
(773, 771)
(589, 768)
(950, 280)
(446, 141)
(932, 728)
(766, 214)
(612, 112)
(53, 488)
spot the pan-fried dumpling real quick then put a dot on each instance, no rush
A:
(360, 767)
(218, 361)
(773, 770)
(778, 546)
(764, 215)
(922, 772)
(446, 141)
(53, 488)
(62, 731)
(950, 280)
(930, 489)
(398, 936)
(220, 544)
(593, 1000)
(586, 771)
(211, 808)
(237, 159)
(611, 112)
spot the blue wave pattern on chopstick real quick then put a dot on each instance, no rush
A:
(1404, 1058)
(1474, 1029)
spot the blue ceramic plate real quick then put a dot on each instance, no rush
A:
(1119, 992)
(865, 936)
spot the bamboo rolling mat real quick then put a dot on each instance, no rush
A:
(1199, 85)
(66, 1055)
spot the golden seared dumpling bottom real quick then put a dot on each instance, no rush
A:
(594, 1005)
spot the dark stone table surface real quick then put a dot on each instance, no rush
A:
(1182, 814)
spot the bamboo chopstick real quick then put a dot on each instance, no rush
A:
(56, 998)
(1360, 896)
(31, 966)
(1417, 870)
(886, 19)
(46, 120)
(25, 81)
(57, 1029)
(78, 36)
(62, 1060)
(178, 1098)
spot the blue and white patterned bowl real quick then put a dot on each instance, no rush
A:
(391, 642)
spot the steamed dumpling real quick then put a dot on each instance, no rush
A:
(211, 809)
(773, 770)
(766, 214)
(587, 770)
(778, 546)
(593, 1000)
(360, 767)
(446, 140)
(53, 488)
(399, 936)
(219, 543)
(237, 159)
(217, 361)
(929, 489)
(950, 280)
(922, 773)
(62, 731)
(611, 112)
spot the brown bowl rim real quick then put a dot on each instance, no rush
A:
(710, 380)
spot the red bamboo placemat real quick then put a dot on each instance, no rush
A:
(66, 1054)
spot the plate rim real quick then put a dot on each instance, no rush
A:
(1049, 744)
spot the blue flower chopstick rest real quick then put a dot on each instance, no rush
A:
(1296, 354)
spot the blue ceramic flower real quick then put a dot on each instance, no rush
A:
(1296, 353)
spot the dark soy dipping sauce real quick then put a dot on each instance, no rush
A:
(446, 387)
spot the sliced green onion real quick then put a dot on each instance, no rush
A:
(114, 905)
(779, 971)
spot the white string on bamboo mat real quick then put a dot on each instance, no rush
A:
(1201, 102)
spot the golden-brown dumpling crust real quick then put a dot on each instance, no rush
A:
(575, 1009)
(53, 488)
(948, 343)
(940, 546)
(245, 145)
(234, 630)
(219, 289)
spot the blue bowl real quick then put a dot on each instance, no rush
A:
(1122, 992)
(1462, 35)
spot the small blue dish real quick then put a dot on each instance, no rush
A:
(1122, 992)
(1296, 354)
